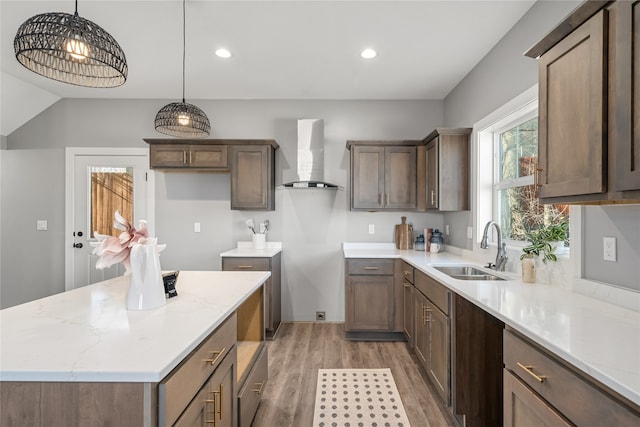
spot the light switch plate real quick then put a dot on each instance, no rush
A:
(196, 227)
(609, 248)
(469, 232)
(446, 229)
(372, 228)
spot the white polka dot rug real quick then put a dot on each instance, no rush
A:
(358, 398)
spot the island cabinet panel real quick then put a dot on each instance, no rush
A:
(72, 404)
(383, 175)
(215, 403)
(252, 177)
(272, 287)
(251, 393)
(578, 398)
(177, 390)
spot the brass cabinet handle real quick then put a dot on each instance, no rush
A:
(433, 197)
(387, 204)
(259, 390)
(372, 268)
(380, 199)
(425, 311)
(219, 412)
(184, 157)
(406, 285)
(406, 273)
(207, 401)
(217, 355)
(245, 267)
(529, 370)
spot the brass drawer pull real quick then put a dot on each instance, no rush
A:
(407, 273)
(407, 285)
(217, 355)
(244, 267)
(372, 268)
(207, 401)
(529, 370)
(259, 390)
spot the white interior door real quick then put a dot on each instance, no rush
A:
(101, 182)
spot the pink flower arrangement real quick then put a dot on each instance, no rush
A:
(112, 250)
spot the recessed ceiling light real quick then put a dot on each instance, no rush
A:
(223, 53)
(368, 53)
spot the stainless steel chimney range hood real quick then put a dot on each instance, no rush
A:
(310, 157)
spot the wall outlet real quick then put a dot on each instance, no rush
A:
(446, 229)
(196, 227)
(609, 248)
(469, 232)
(41, 225)
(321, 315)
(372, 228)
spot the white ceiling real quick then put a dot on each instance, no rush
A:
(282, 49)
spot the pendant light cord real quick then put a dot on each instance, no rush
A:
(184, 37)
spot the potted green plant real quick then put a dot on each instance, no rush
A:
(544, 241)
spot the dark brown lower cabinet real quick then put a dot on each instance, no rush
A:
(477, 365)
(433, 343)
(215, 404)
(522, 407)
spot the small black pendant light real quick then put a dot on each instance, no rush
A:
(180, 118)
(70, 49)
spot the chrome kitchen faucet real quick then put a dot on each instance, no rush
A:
(501, 257)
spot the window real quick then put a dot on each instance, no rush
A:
(515, 203)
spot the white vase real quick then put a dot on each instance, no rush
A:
(528, 270)
(146, 289)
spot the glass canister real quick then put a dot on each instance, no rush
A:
(436, 241)
(419, 244)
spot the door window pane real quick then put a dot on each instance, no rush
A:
(111, 191)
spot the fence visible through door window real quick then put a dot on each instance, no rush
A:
(111, 191)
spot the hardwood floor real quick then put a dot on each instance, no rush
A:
(300, 349)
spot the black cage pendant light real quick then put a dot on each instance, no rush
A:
(70, 49)
(179, 118)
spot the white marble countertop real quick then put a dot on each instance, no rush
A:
(246, 249)
(597, 337)
(88, 335)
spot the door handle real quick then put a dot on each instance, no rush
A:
(77, 245)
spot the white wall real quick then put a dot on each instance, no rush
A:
(311, 224)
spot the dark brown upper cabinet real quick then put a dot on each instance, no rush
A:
(446, 165)
(252, 177)
(250, 161)
(383, 175)
(588, 142)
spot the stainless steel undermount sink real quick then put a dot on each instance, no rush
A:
(466, 272)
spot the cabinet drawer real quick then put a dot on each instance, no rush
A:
(434, 290)
(580, 401)
(379, 267)
(407, 272)
(250, 395)
(177, 389)
(246, 264)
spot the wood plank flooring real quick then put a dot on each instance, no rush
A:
(300, 349)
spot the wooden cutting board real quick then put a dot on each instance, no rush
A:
(404, 235)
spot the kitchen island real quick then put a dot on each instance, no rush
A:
(82, 357)
(598, 339)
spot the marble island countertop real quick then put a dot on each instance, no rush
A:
(597, 337)
(88, 335)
